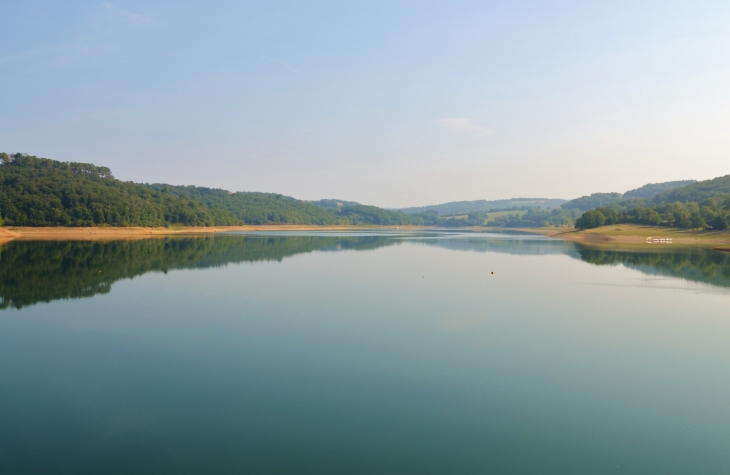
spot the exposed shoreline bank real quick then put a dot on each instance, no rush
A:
(133, 232)
(634, 234)
(626, 234)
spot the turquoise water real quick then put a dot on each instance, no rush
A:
(362, 353)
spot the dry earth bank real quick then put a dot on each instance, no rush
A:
(108, 232)
(638, 234)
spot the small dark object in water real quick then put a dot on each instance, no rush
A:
(492, 272)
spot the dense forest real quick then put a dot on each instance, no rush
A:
(699, 205)
(596, 200)
(42, 192)
(653, 189)
(711, 213)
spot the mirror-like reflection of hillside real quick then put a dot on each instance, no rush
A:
(697, 265)
(43, 271)
(692, 264)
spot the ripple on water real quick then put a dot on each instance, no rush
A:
(707, 432)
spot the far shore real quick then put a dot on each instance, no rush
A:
(614, 235)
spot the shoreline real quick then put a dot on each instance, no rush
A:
(54, 233)
(633, 234)
(616, 235)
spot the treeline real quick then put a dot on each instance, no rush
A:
(711, 213)
(251, 207)
(535, 218)
(699, 205)
(42, 192)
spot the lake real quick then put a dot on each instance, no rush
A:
(362, 353)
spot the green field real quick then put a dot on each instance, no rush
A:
(497, 214)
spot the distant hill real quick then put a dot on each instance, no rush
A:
(596, 200)
(465, 207)
(696, 192)
(43, 192)
(251, 207)
(653, 189)
(585, 203)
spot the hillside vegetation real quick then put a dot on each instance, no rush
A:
(595, 200)
(42, 192)
(699, 205)
(653, 189)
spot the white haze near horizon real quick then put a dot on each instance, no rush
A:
(388, 103)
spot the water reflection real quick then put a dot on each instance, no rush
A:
(697, 265)
(43, 271)
(33, 272)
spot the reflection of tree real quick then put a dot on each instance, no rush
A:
(696, 265)
(32, 272)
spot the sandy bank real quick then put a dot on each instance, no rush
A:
(637, 234)
(109, 233)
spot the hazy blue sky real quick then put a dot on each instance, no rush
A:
(388, 103)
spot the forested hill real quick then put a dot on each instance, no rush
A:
(584, 203)
(696, 192)
(696, 206)
(42, 192)
(653, 189)
(251, 207)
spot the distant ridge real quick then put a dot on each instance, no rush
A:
(465, 207)
(651, 190)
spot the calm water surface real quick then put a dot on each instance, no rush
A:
(362, 353)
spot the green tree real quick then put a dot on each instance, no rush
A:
(697, 221)
(477, 217)
(719, 223)
(590, 219)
